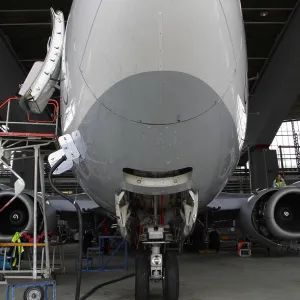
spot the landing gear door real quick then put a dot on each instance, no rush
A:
(40, 83)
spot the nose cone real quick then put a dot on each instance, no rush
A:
(159, 97)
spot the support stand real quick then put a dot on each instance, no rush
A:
(103, 264)
(24, 141)
(34, 290)
(244, 249)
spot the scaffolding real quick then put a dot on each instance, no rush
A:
(37, 142)
(296, 144)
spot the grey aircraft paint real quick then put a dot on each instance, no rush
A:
(156, 91)
(206, 142)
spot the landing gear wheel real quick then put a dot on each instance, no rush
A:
(214, 240)
(142, 276)
(34, 293)
(171, 277)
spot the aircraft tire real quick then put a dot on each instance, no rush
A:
(171, 277)
(215, 241)
(142, 276)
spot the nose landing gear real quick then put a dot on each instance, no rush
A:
(155, 232)
(156, 267)
(170, 277)
(142, 276)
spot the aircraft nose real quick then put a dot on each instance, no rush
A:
(160, 97)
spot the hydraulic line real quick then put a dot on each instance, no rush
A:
(78, 282)
(94, 289)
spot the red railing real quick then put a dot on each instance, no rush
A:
(52, 102)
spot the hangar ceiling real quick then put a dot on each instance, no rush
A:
(26, 26)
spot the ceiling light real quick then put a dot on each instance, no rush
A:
(264, 13)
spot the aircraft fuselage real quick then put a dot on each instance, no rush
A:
(155, 87)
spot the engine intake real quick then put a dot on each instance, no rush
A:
(282, 214)
(272, 218)
(18, 216)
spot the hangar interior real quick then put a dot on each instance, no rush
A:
(219, 237)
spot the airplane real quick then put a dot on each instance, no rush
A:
(154, 98)
(269, 217)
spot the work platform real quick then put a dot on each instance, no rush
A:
(24, 268)
(35, 142)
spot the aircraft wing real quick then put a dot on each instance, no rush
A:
(234, 201)
(84, 202)
(228, 201)
(64, 205)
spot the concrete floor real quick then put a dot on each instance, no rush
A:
(203, 277)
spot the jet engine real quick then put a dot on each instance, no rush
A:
(18, 216)
(272, 218)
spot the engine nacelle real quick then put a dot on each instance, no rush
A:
(272, 218)
(18, 216)
(282, 214)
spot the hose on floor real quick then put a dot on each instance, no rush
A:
(97, 287)
(78, 282)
